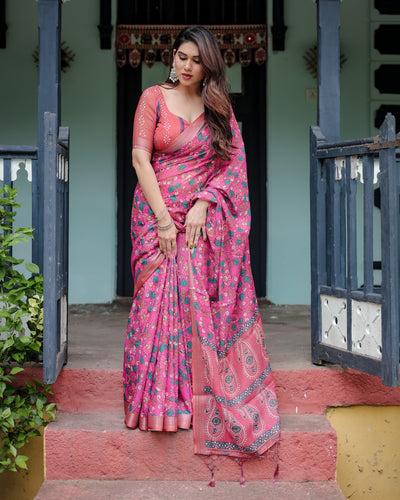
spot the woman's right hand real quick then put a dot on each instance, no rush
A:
(167, 238)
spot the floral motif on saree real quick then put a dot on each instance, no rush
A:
(195, 349)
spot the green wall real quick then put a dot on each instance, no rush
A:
(89, 108)
(289, 117)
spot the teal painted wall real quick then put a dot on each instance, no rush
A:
(89, 108)
(289, 116)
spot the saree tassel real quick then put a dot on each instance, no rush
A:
(276, 473)
(212, 462)
(242, 478)
(212, 482)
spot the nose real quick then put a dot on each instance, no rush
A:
(188, 64)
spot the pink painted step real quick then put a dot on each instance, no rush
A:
(307, 391)
(193, 490)
(99, 446)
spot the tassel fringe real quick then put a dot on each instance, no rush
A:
(214, 461)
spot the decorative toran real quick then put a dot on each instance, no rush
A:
(238, 43)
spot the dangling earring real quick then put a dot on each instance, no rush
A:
(172, 75)
(204, 81)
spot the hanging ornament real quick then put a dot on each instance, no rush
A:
(238, 42)
(150, 57)
(121, 58)
(229, 57)
(260, 56)
(245, 57)
(165, 56)
(134, 58)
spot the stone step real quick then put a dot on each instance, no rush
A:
(99, 446)
(193, 490)
(305, 391)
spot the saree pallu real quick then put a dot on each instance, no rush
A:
(195, 349)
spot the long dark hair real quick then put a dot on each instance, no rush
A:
(214, 92)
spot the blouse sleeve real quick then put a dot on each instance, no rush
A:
(145, 121)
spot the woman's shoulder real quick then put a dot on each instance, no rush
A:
(154, 90)
(150, 97)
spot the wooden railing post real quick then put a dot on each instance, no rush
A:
(389, 184)
(318, 236)
(329, 68)
(49, 100)
(55, 252)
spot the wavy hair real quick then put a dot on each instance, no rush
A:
(214, 93)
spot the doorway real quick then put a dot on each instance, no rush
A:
(248, 102)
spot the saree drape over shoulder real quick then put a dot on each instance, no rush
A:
(195, 351)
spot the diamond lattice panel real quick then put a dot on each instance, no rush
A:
(366, 328)
(334, 321)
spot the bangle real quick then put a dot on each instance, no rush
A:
(164, 228)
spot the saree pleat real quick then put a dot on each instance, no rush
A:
(195, 345)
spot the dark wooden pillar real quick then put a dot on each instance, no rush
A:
(49, 100)
(278, 27)
(105, 27)
(329, 68)
(3, 25)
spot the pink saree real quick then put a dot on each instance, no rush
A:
(195, 352)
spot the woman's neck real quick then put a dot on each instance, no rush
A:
(189, 91)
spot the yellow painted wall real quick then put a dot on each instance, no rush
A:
(368, 461)
(24, 484)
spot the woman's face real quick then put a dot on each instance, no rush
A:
(187, 65)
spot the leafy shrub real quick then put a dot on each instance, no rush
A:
(23, 409)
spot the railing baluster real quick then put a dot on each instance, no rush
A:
(7, 172)
(352, 281)
(368, 207)
(37, 243)
(336, 231)
(351, 181)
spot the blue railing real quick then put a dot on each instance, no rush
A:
(50, 202)
(55, 249)
(354, 317)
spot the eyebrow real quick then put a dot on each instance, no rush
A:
(184, 54)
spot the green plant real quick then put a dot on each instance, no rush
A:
(23, 409)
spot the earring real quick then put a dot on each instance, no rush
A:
(204, 81)
(172, 75)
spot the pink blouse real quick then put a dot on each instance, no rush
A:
(155, 127)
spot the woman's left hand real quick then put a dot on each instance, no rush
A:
(195, 223)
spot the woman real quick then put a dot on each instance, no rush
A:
(194, 351)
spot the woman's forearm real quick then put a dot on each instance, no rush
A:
(149, 185)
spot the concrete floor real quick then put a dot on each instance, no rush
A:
(97, 334)
(187, 490)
